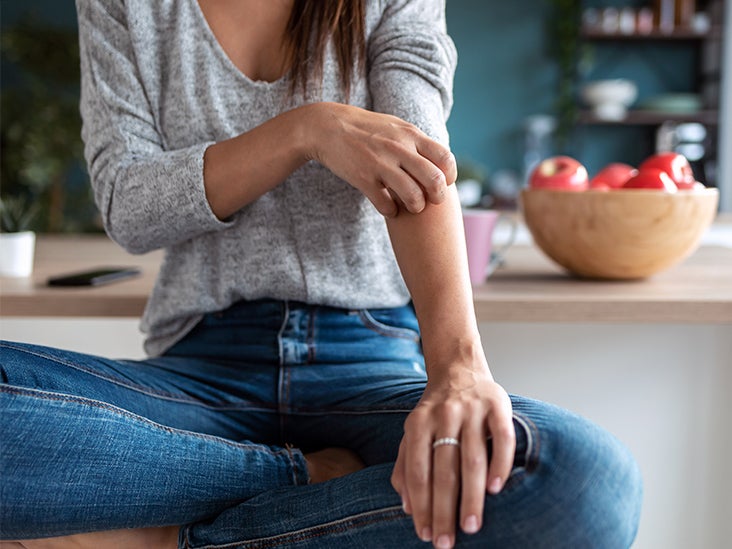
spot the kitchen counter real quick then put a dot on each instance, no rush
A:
(530, 288)
(62, 254)
(527, 288)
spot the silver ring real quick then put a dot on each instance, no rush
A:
(445, 441)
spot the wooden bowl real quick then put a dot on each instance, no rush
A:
(620, 234)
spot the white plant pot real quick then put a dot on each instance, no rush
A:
(16, 253)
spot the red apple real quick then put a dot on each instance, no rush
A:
(612, 176)
(600, 186)
(675, 165)
(651, 178)
(559, 172)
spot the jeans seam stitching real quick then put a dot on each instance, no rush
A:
(319, 530)
(311, 336)
(282, 372)
(62, 397)
(384, 329)
(165, 395)
(331, 411)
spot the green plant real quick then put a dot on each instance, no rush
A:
(470, 170)
(565, 46)
(41, 149)
(17, 214)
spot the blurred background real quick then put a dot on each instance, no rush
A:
(601, 80)
(523, 67)
(522, 70)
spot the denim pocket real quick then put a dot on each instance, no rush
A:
(527, 443)
(399, 322)
(526, 458)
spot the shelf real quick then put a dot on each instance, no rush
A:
(655, 35)
(639, 117)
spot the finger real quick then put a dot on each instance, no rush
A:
(446, 485)
(406, 502)
(398, 481)
(418, 475)
(500, 425)
(383, 201)
(430, 178)
(440, 156)
(397, 200)
(406, 189)
(473, 471)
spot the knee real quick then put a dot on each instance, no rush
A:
(610, 491)
(591, 481)
(602, 484)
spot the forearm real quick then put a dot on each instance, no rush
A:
(241, 169)
(361, 147)
(461, 400)
(430, 249)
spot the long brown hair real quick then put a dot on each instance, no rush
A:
(312, 23)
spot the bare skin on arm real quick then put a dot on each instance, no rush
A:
(380, 155)
(461, 400)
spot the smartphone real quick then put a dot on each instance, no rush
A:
(94, 277)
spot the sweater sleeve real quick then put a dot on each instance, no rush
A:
(149, 197)
(412, 62)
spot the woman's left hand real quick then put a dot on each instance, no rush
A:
(462, 403)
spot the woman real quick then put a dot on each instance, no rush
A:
(313, 314)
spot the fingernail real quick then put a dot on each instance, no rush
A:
(471, 525)
(495, 486)
(426, 534)
(443, 542)
(405, 507)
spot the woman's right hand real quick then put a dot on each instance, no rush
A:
(390, 161)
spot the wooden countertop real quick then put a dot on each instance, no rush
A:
(61, 254)
(527, 288)
(530, 288)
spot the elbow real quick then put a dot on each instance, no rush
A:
(129, 231)
(124, 220)
(130, 240)
(133, 248)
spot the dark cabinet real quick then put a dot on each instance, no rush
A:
(677, 71)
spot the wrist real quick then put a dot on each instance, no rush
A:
(448, 327)
(459, 353)
(314, 119)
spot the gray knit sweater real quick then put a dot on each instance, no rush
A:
(157, 90)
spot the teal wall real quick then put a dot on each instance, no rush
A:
(62, 12)
(505, 73)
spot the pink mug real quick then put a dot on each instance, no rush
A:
(479, 227)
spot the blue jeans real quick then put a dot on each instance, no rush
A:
(210, 436)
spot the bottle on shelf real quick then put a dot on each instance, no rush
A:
(665, 15)
(538, 141)
(684, 13)
(644, 21)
